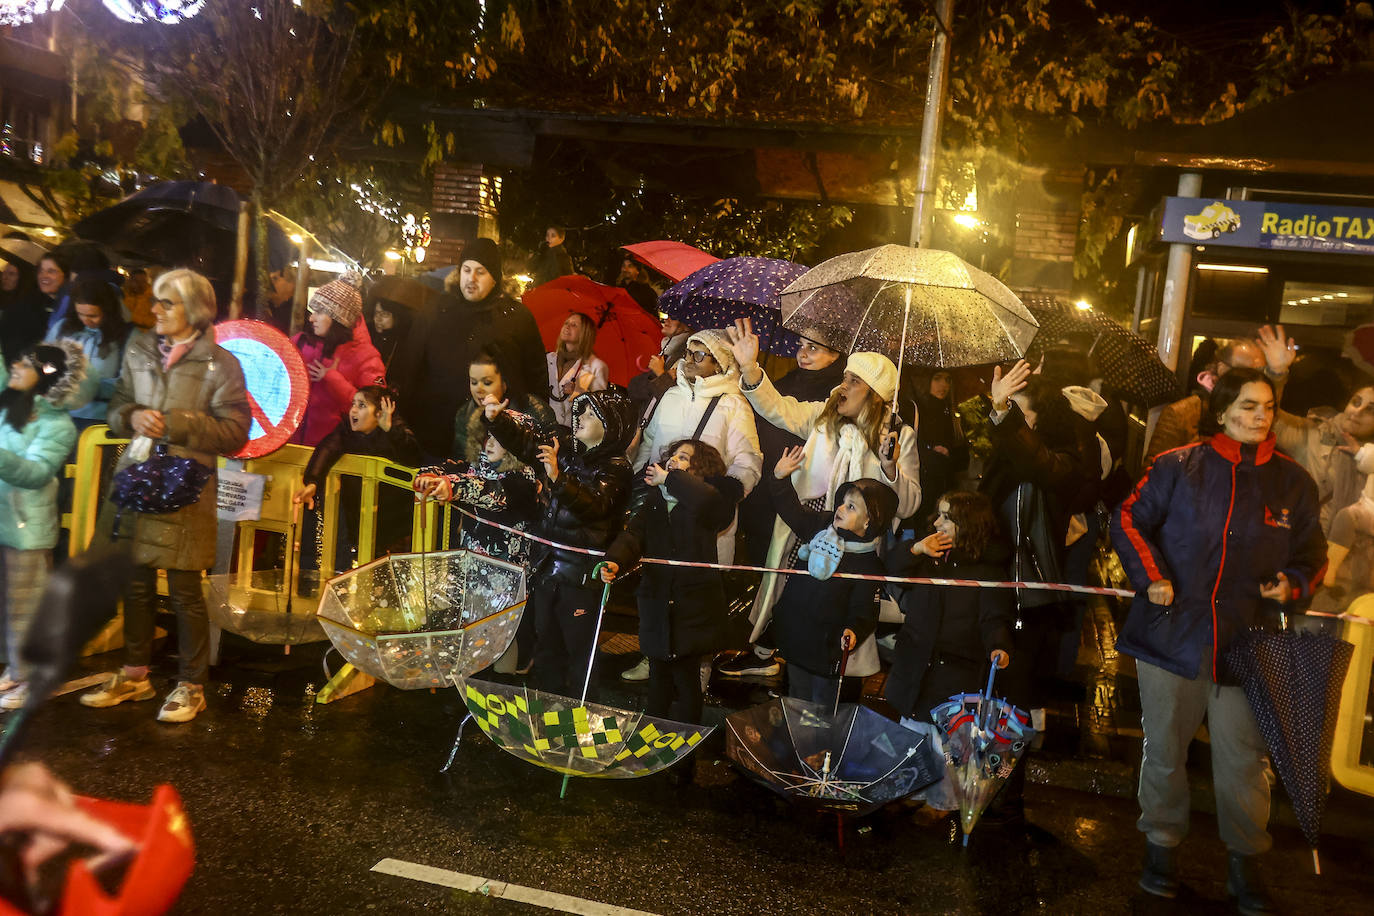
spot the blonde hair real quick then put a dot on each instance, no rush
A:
(870, 421)
(587, 340)
(194, 291)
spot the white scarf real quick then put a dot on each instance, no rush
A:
(849, 460)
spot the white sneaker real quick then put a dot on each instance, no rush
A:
(116, 690)
(15, 697)
(183, 704)
(639, 672)
(8, 683)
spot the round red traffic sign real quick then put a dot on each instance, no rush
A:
(274, 374)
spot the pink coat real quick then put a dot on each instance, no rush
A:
(355, 364)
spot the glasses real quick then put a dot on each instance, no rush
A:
(698, 356)
(165, 304)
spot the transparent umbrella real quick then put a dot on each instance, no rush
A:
(261, 608)
(424, 620)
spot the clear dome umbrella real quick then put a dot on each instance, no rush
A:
(261, 608)
(424, 620)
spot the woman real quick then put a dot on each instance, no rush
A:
(1216, 538)
(54, 274)
(573, 368)
(97, 326)
(387, 323)
(35, 437)
(845, 439)
(488, 377)
(944, 453)
(338, 356)
(180, 389)
(25, 314)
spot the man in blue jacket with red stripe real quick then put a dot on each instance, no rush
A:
(1215, 538)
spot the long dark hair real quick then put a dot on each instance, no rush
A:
(332, 339)
(1224, 394)
(973, 515)
(492, 354)
(96, 292)
(28, 283)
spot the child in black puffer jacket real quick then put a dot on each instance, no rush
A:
(677, 514)
(587, 479)
(818, 617)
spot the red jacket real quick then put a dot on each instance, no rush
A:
(354, 364)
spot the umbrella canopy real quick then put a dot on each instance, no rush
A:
(574, 737)
(1293, 681)
(949, 313)
(723, 291)
(22, 250)
(406, 292)
(262, 609)
(1128, 363)
(854, 761)
(984, 737)
(421, 620)
(625, 333)
(675, 260)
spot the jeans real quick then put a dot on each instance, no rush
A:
(193, 621)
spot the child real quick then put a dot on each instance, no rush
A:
(818, 618)
(371, 428)
(687, 502)
(588, 480)
(496, 487)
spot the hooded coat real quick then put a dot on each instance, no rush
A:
(812, 614)
(31, 459)
(354, 364)
(205, 405)
(586, 504)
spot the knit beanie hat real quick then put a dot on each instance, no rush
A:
(877, 373)
(61, 369)
(485, 252)
(718, 343)
(340, 299)
(879, 500)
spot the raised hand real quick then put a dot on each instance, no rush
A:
(934, 545)
(789, 461)
(492, 408)
(655, 475)
(1279, 351)
(1004, 385)
(305, 494)
(548, 456)
(386, 409)
(744, 343)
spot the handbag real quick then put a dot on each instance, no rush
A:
(160, 483)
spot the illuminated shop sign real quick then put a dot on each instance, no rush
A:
(1263, 224)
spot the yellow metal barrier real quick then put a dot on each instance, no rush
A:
(1352, 754)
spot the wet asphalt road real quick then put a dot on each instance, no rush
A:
(292, 803)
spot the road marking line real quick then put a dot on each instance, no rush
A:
(475, 884)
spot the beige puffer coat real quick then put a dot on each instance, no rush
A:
(205, 405)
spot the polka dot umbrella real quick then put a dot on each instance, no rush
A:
(723, 291)
(1128, 362)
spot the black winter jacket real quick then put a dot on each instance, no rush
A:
(585, 505)
(812, 614)
(694, 623)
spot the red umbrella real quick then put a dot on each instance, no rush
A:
(626, 335)
(675, 260)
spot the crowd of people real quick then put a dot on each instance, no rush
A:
(841, 465)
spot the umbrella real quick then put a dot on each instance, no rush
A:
(1293, 681)
(406, 292)
(434, 279)
(914, 305)
(23, 250)
(422, 620)
(262, 608)
(849, 760)
(1128, 363)
(625, 333)
(984, 737)
(675, 260)
(721, 292)
(574, 737)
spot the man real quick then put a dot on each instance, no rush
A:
(1178, 422)
(281, 295)
(553, 260)
(432, 372)
(634, 279)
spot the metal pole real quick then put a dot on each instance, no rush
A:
(1176, 283)
(298, 298)
(923, 207)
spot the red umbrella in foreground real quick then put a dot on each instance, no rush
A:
(625, 333)
(675, 260)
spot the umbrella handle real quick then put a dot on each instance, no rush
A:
(600, 616)
(839, 686)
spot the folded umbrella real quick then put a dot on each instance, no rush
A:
(722, 292)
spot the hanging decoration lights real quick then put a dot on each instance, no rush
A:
(22, 12)
(166, 12)
(415, 234)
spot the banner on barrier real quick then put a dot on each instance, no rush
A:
(240, 495)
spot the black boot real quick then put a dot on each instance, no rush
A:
(1159, 874)
(1243, 883)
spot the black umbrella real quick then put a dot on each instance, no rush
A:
(1293, 681)
(1128, 363)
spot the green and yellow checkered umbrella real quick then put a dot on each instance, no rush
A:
(577, 738)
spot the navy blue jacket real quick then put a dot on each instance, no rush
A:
(1216, 519)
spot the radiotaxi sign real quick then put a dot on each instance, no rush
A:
(274, 374)
(1265, 224)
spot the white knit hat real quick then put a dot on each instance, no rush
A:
(718, 343)
(876, 371)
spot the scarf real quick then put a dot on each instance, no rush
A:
(848, 464)
(172, 351)
(827, 548)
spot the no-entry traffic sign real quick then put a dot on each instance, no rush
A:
(277, 383)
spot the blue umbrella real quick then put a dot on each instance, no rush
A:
(724, 291)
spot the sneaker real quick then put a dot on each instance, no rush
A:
(116, 690)
(639, 672)
(15, 697)
(183, 703)
(748, 664)
(8, 683)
